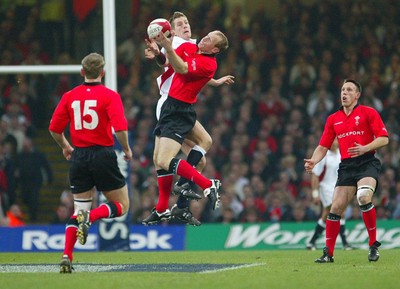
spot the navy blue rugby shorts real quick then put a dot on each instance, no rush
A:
(352, 170)
(177, 119)
(95, 166)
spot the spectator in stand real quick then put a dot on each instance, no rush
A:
(200, 212)
(61, 83)
(13, 217)
(371, 99)
(392, 69)
(51, 30)
(321, 101)
(7, 165)
(62, 215)
(19, 97)
(67, 199)
(229, 199)
(275, 210)
(354, 213)
(302, 71)
(3, 219)
(250, 215)
(227, 216)
(237, 178)
(396, 203)
(16, 121)
(299, 214)
(271, 103)
(33, 171)
(285, 183)
(288, 165)
(252, 200)
(265, 135)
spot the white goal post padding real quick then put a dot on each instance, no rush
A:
(31, 69)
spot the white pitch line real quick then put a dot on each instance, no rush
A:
(231, 268)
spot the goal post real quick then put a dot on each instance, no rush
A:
(32, 69)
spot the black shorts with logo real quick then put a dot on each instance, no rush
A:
(352, 170)
(95, 166)
(177, 119)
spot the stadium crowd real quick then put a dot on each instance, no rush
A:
(288, 70)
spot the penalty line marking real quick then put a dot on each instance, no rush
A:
(91, 267)
(232, 268)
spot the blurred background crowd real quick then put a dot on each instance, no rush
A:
(289, 59)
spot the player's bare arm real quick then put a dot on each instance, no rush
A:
(317, 156)
(358, 150)
(153, 52)
(152, 49)
(177, 63)
(227, 79)
(315, 188)
(122, 137)
(63, 143)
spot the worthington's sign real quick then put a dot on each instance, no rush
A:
(284, 236)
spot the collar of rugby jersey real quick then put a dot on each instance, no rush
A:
(341, 107)
(91, 83)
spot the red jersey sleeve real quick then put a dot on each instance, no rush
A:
(116, 113)
(377, 126)
(329, 134)
(60, 118)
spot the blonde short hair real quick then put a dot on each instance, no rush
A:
(93, 65)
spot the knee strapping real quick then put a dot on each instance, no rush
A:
(365, 208)
(82, 204)
(199, 149)
(364, 191)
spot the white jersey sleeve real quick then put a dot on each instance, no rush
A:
(319, 167)
(164, 83)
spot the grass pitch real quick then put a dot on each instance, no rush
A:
(211, 269)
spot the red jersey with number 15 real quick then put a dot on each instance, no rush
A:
(362, 126)
(92, 110)
(201, 68)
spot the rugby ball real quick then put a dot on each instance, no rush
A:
(158, 25)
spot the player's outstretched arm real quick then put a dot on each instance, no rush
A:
(317, 156)
(152, 52)
(176, 62)
(227, 79)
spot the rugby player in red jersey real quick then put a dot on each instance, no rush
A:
(360, 132)
(194, 66)
(198, 141)
(92, 112)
